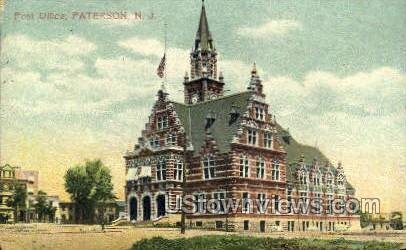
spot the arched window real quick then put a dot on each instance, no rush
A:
(209, 165)
(275, 170)
(260, 168)
(244, 166)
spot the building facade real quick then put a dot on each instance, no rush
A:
(232, 148)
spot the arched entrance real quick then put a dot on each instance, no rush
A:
(160, 201)
(133, 209)
(146, 208)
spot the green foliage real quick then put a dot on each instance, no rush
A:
(43, 209)
(89, 186)
(396, 220)
(254, 243)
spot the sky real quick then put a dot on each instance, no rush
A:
(334, 73)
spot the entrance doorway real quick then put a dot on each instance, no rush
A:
(133, 209)
(146, 205)
(160, 201)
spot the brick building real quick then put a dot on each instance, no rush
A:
(232, 148)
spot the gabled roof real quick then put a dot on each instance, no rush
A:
(193, 119)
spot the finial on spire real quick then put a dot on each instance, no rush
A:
(254, 69)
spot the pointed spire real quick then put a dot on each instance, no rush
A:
(254, 69)
(203, 35)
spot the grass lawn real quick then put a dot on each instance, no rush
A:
(247, 243)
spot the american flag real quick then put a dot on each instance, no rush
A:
(161, 68)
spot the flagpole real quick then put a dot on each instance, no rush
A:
(165, 74)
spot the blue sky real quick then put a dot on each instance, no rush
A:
(333, 71)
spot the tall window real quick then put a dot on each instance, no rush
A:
(178, 173)
(303, 178)
(162, 122)
(244, 166)
(329, 180)
(259, 113)
(220, 197)
(252, 136)
(261, 168)
(261, 198)
(161, 170)
(303, 199)
(276, 203)
(245, 202)
(318, 199)
(275, 170)
(316, 179)
(289, 198)
(200, 202)
(268, 139)
(171, 139)
(330, 203)
(208, 167)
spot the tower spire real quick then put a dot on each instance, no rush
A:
(203, 40)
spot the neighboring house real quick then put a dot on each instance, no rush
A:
(8, 181)
(111, 213)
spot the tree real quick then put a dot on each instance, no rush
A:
(89, 185)
(396, 220)
(17, 199)
(41, 205)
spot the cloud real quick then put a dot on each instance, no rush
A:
(270, 29)
(23, 52)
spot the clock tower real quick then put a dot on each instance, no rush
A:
(203, 84)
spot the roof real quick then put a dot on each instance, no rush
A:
(193, 118)
(296, 150)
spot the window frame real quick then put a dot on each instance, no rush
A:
(209, 165)
(244, 166)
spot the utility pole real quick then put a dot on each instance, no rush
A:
(183, 216)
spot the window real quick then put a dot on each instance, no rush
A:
(261, 198)
(154, 142)
(178, 173)
(252, 136)
(303, 178)
(171, 139)
(208, 167)
(260, 168)
(329, 180)
(244, 166)
(259, 113)
(330, 203)
(220, 197)
(275, 170)
(289, 198)
(200, 202)
(276, 207)
(318, 202)
(246, 225)
(199, 223)
(162, 122)
(268, 139)
(316, 179)
(161, 171)
(303, 199)
(219, 224)
(245, 202)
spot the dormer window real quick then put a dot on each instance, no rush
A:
(210, 119)
(233, 115)
(259, 113)
(162, 122)
(252, 136)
